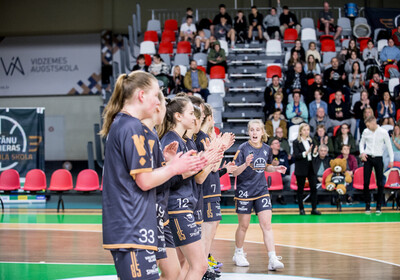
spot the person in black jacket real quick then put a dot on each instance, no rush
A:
(321, 162)
(296, 80)
(303, 168)
(280, 157)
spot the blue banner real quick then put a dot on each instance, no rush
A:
(381, 17)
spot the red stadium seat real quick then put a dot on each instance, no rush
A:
(61, 181)
(171, 24)
(9, 180)
(184, 47)
(151, 36)
(335, 130)
(394, 31)
(202, 68)
(217, 131)
(217, 72)
(147, 59)
(310, 81)
(290, 35)
(273, 70)
(166, 47)
(363, 41)
(398, 115)
(225, 182)
(87, 181)
(328, 46)
(35, 180)
(325, 37)
(293, 183)
(326, 173)
(387, 67)
(168, 36)
(276, 181)
(332, 97)
(358, 180)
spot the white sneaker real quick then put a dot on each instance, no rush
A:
(240, 259)
(274, 263)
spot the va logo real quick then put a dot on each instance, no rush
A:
(15, 64)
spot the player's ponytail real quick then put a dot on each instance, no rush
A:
(125, 87)
(176, 105)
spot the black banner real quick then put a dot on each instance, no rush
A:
(381, 17)
(21, 139)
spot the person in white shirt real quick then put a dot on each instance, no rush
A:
(372, 144)
(188, 30)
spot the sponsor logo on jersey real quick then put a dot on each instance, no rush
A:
(189, 217)
(242, 208)
(259, 165)
(150, 259)
(153, 270)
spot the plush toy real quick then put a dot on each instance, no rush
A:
(339, 177)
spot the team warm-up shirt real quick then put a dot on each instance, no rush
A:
(251, 183)
(211, 185)
(129, 214)
(182, 198)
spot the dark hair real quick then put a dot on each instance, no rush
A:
(352, 67)
(346, 145)
(277, 110)
(158, 56)
(176, 105)
(198, 101)
(285, 8)
(254, 7)
(319, 91)
(222, 16)
(273, 8)
(296, 92)
(189, 16)
(221, 6)
(141, 56)
(207, 112)
(189, 9)
(275, 76)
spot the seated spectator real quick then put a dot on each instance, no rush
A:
(269, 92)
(327, 22)
(360, 105)
(217, 18)
(339, 112)
(296, 111)
(287, 19)
(195, 80)
(395, 139)
(276, 121)
(277, 104)
(141, 64)
(348, 66)
(177, 81)
(202, 42)
(216, 56)
(280, 157)
(351, 159)
(344, 137)
(321, 119)
(396, 37)
(311, 68)
(189, 12)
(296, 80)
(335, 78)
(284, 144)
(161, 71)
(312, 50)
(386, 110)
(321, 138)
(271, 23)
(352, 47)
(255, 22)
(318, 84)
(368, 112)
(370, 54)
(317, 103)
(294, 58)
(356, 78)
(376, 88)
(390, 53)
(240, 26)
(321, 162)
(224, 31)
(298, 47)
(188, 30)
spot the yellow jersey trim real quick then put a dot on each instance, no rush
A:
(166, 223)
(199, 222)
(212, 195)
(128, 246)
(180, 212)
(250, 199)
(137, 171)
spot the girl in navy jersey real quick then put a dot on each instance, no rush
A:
(253, 158)
(129, 180)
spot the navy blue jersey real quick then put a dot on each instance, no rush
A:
(251, 183)
(211, 185)
(182, 198)
(129, 214)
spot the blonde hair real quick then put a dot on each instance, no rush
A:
(264, 137)
(125, 87)
(300, 129)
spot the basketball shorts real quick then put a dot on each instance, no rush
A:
(212, 211)
(161, 252)
(135, 264)
(169, 239)
(259, 204)
(184, 229)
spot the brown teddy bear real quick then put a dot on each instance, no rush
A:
(339, 177)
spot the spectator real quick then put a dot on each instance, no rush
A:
(270, 90)
(255, 22)
(298, 47)
(284, 144)
(396, 37)
(302, 153)
(271, 23)
(327, 22)
(351, 159)
(376, 89)
(317, 103)
(224, 31)
(296, 111)
(296, 79)
(321, 119)
(335, 78)
(280, 157)
(288, 20)
(356, 78)
(141, 64)
(189, 12)
(395, 139)
(188, 30)
(390, 53)
(339, 112)
(195, 80)
(177, 81)
(321, 138)
(386, 110)
(318, 84)
(294, 58)
(158, 66)
(348, 66)
(370, 54)
(368, 112)
(321, 162)
(352, 47)
(240, 26)
(202, 42)
(312, 50)
(360, 105)
(274, 123)
(216, 56)
(217, 18)
(344, 137)
(311, 68)
(277, 104)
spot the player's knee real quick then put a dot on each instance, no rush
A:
(266, 226)
(243, 227)
(201, 266)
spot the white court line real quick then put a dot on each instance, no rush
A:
(59, 263)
